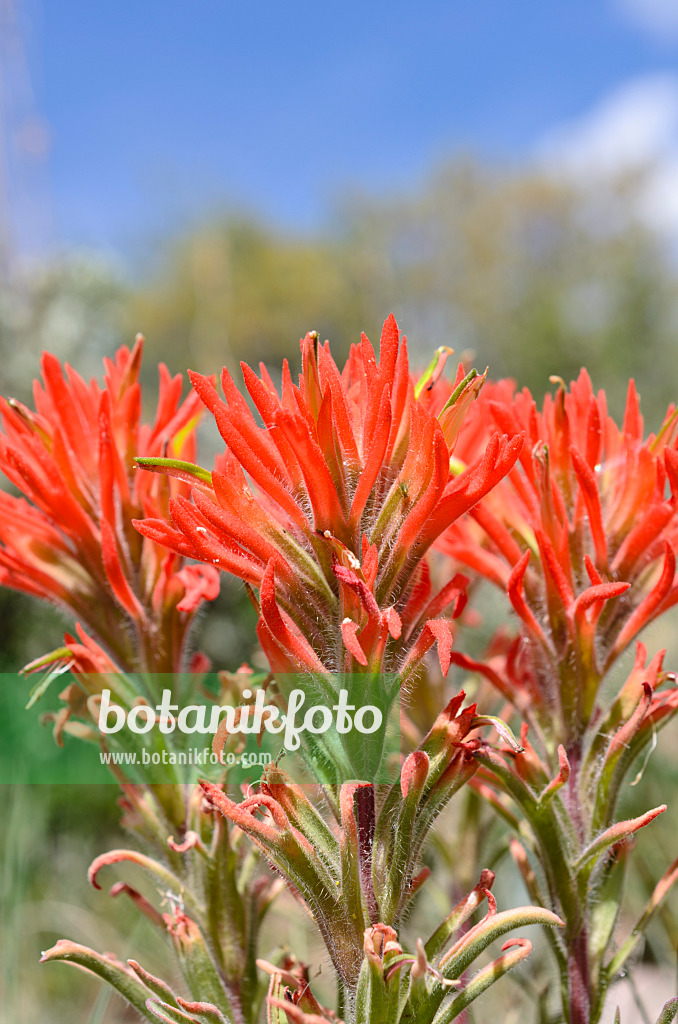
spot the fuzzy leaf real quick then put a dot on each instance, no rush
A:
(168, 1014)
(209, 1011)
(121, 978)
(164, 875)
(451, 417)
(155, 985)
(615, 834)
(460, 914)
(482, 981)
(492, 927)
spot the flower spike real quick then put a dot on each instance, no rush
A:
(330, 507)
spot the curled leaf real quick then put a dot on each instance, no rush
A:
(520, 949)
(122, 978)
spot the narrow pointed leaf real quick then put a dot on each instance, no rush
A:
(177, 468)
(121, 979)
(485, 978)
(614, 834)
(492, 928)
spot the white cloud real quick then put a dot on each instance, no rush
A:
(658, 17)
(634, 128)
(631, 127)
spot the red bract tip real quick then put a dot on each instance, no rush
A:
(343, 490)
(587, 503)
(72, 540)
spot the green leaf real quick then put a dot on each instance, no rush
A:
(433, 370)
(168, 880)
(460, 388)
(604, 909)
(108, 969)
(484, 979)
(370, 998)
(155, 985)
(41, 687)
(459, 915)
(168, 1014)
(451, 416)
(615, 834)
(276, 1015)
(186, 471)
(460, 957)
(502, 728)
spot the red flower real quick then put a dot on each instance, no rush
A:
(330, 507)
(582, 534)
(70, 538)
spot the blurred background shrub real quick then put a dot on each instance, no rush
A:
(522, 272)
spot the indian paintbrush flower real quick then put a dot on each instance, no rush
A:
(327, 503)
(581, 534)
(69, 539)
(328, 510)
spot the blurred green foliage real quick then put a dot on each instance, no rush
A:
(532, 275)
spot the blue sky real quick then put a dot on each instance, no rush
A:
(157, 110)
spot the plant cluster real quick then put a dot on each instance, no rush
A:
(361, 508)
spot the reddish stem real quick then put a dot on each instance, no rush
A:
(577, 942)
(578, 970)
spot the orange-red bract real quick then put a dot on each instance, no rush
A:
(69, 539)
(327, 500)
